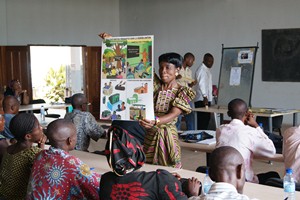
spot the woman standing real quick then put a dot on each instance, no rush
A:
(161, 144)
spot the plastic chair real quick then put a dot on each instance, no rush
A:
(36, 101)
(276, 123)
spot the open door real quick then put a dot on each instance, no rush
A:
(15, 64)
(92, 66)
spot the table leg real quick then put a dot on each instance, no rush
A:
(221, 118)
(295, 119)
(207, 159)
(270, 124)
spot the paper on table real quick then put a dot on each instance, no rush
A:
(208, 141)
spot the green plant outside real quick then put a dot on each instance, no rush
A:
(56, 82)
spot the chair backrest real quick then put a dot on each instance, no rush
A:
(277, 182)
(36, 101)
(276, 121)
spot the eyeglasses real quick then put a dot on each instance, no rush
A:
(88, 104)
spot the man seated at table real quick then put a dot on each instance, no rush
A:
(58, 175)
(244, 134)
(125, 156)
(11, 107)
(86, 124)
(227, 170)
(291, 150)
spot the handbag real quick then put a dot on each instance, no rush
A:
(124, 152)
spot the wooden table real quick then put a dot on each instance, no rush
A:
(262, 112)
(99, 163)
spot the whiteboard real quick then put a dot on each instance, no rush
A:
(236, 74)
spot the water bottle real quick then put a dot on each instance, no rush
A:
(289, 185)
(207, 182)
(42, 114)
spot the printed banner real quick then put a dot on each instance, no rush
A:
(127, 78)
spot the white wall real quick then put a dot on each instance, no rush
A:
(198, 26)
(201, 26)
(74, 22)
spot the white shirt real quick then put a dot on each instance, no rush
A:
(204, 83)
(186, 76)
(221, 191)
(248, 141)
(291, 150)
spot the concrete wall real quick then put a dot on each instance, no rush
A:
(198, 26)
(73, 22)
(201, 26)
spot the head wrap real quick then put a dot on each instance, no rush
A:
(123, 151)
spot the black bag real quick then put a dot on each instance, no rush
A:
(124, 152)
(196, 137)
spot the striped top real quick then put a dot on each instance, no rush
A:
(222, 191)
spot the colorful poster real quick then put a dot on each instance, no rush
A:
(127, 78)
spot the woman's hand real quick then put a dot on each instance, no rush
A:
(42, 141)
(146, 123)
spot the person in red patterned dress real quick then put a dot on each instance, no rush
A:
(125, 156)
(58, 175)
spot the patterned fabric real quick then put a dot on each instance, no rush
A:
(161, 144)
(222, 191)
(291, 150)
(124, 152)
(87, 127)
(14, 173)
(58, 175)
(248, 141)
(141, 185)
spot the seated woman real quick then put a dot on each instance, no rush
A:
(18, 159)
(125, 156)
(15, 89)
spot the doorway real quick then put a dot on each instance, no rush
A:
(56, 72)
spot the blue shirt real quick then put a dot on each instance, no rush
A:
(6, 133)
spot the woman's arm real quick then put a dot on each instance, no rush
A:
(164, 119)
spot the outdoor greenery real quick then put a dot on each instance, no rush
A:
(56, 84)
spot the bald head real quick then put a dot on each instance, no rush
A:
(78, 100)
(227, 165)
(237, 108)
(11, 105)
(61, 133)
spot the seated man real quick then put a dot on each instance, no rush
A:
(86, 124)
(125, 156)
(227, 170)
(244, 134)
(58, 175)
(291, 150)
(11, 107)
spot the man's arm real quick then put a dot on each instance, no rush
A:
(94, 130)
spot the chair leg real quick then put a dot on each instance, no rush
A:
(279, 130)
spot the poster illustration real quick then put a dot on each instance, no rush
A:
(127, 78)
